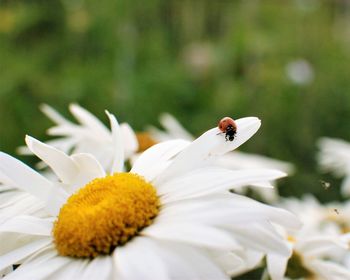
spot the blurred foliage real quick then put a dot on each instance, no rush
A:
(198, 60)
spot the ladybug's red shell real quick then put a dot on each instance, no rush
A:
(224, 123)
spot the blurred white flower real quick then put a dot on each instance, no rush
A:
(334, 156)
(308, 6)
(173, 213)
(300, 72)
(199, 59)
(234, 160)
(88, 136)
(318, 252)
(308, 209)
(310, 259)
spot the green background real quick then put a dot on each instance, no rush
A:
(138, 59)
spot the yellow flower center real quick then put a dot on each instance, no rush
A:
(291, 239)
(107, 212)
(296, 268)
(334, 217)
(145, 141)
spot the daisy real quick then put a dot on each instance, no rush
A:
(88, 136)
(91, 136)
(331, 218)
(300, 72)
(235, 160)
(336, 217)
(334, 156)
(319, 251)
(311, 259)
(170, 217)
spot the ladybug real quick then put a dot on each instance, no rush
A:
(228, 126)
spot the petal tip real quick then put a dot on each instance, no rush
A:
(29, 140)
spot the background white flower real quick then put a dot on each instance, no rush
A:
(111, 147)
(334, 156)
(300, 72)
(319, 247)
(90, 135)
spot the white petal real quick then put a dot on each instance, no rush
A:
(28, 224)
(72, 270)
(118, 145)
(221, 211)
(58, 196)
(24, 177)
(209, 144)
(69, 131)
(345, 186)
(181, 261)
(27, 204)
(231, 263)
(42, 255)
(199, 235)
(241, 160)
(19, 254)
(89, 120)
(276, 266)
(334, 156)
(205, 181)
(262, 237)
(9, 197)
(129, 139)
(23, 150)
(138, 260)
(317, 245)
(282, 217)
(65, 144)
(5, 182)
(240, 261)
(89, 169)
(99, 268)
(246, 128)
(174, 127)
(45, 270)
(158, 135)
(327, 270)
(157, 157)
(61, 164)
(187, 262)
(267, 194)
(53, 114)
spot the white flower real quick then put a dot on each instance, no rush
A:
(311, 213)
(234, 160)
(199, 58)
(310, 259)
(334, 156)
(318, 249)
(169, 218)
(89, 136)
(300, 72)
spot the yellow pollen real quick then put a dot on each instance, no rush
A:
(291, 239)
(104, 214)
(145, 141)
